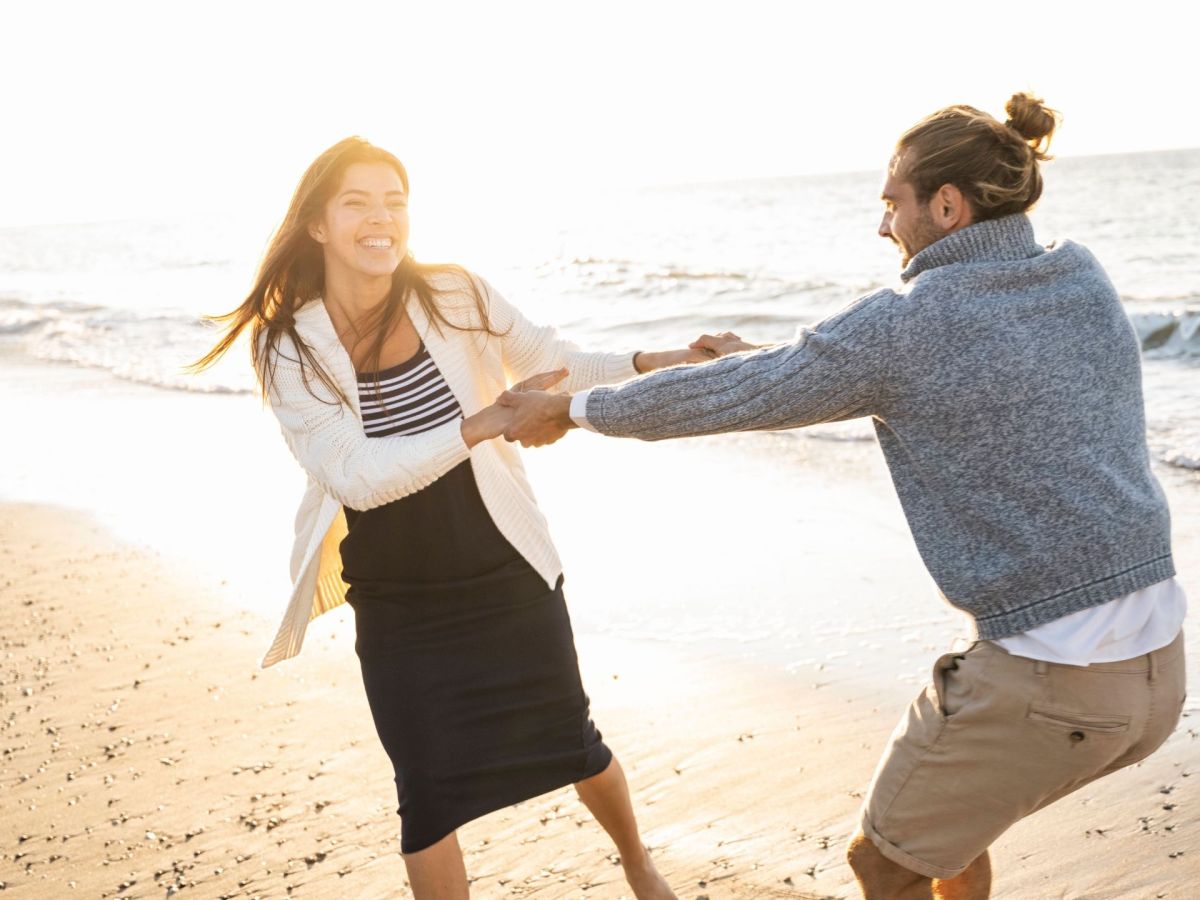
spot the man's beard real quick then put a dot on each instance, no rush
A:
(924, 234)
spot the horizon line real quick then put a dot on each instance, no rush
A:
(639, 186)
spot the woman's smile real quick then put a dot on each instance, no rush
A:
(376, 243)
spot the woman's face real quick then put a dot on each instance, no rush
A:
(364, 228)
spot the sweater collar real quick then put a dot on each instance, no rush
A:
(994, 240)
(315, 326)
(316, 329)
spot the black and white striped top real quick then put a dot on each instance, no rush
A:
(415, 398)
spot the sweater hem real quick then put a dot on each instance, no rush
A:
(1030, 615)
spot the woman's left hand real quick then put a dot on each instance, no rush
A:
(723, 344)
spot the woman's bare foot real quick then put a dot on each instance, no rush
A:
(647, 884)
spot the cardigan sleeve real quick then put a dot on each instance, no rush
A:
(328, 441)
(528, 349)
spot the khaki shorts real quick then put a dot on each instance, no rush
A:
(997, 736)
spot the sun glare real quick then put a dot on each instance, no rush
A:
(226, 109)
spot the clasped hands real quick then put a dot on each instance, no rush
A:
(527, 412)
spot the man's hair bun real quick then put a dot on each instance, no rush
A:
(1029, 117)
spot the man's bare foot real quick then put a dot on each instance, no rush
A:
(647, 884)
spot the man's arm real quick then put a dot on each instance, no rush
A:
(837, 370)
(528, 349)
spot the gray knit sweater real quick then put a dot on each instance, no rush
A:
(1005, 385)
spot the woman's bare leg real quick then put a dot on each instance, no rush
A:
(607, 798)
(437, 872)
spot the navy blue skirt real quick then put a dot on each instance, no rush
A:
(475, 692)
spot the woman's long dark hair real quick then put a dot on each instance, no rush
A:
(292, 273)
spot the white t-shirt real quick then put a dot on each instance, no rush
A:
(1119, 629)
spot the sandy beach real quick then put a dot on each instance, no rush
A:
(751, 621)
(145, 754)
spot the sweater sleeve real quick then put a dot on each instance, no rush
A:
(838, 369)
(528, 349)
(328, 441)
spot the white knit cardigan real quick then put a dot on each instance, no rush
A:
(346, 468)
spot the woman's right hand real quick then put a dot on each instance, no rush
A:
(486, 424)
(543, 381)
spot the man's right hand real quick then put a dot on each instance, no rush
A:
(538, 418)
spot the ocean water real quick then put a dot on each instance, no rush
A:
(787, 548)
(638, 268)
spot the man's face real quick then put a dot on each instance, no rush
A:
(907, 222)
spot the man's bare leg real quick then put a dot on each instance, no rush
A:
(881, 879)
(975, 882)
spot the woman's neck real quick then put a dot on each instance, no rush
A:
(354, 298)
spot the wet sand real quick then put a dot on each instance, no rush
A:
(145, 754)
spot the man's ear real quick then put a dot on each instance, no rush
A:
(950, 209)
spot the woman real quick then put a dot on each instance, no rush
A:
(381, 372)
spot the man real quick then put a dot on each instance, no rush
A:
(1004, 383)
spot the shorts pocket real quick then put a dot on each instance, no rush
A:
(949, 688)
(1097, 724)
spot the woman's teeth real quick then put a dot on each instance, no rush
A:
(377, 243)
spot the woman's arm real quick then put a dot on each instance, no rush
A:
(724, 343)
(653, 360)
(328, 440)
(530, 349)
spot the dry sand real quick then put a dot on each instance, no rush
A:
(145, 754)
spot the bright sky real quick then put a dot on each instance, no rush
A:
(121, 109)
